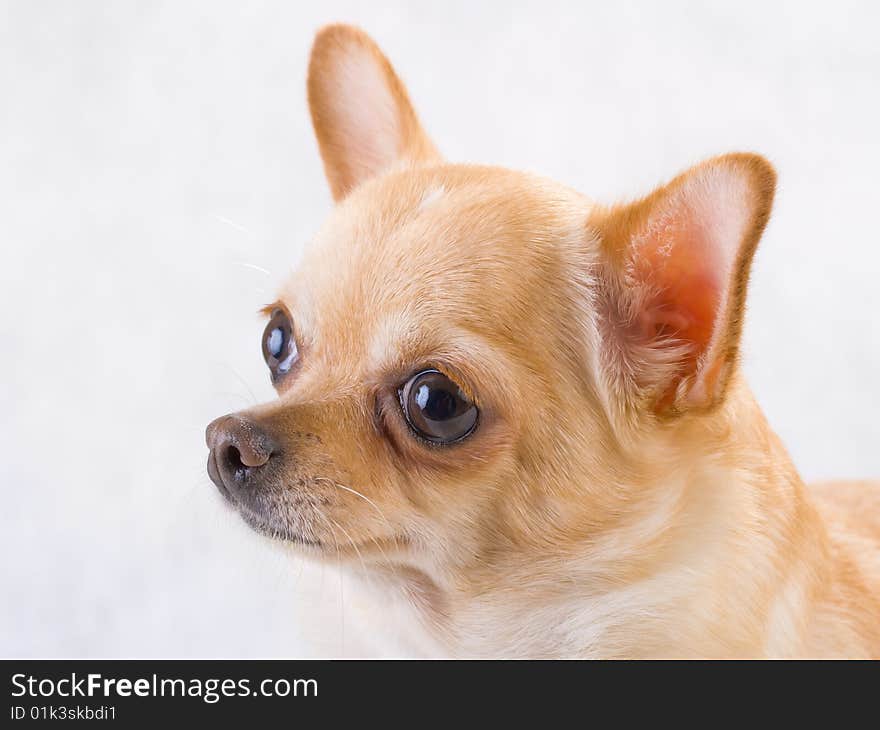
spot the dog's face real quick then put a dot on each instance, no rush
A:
(469, 360)
(418, 371)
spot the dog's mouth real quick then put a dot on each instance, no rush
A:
(284, 516)
(277, 522)
(340, 546)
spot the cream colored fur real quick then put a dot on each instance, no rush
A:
(623, 495)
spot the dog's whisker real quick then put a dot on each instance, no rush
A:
(353, 544)
(244, 383)
(373, 539)
(246, 265)
(330, 522)
(341, 607)
(357, 494)
(237, 396)
(232, 224)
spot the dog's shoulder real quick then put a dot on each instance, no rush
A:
(852, 505)
(851, 512)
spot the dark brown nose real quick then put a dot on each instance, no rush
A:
(239, 452)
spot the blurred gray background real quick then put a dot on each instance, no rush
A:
(158, 175)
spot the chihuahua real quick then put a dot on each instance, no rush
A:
(518, 415)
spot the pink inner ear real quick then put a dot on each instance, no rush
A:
(684, 259)
(685, 277)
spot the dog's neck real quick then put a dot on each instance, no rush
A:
(716, 559)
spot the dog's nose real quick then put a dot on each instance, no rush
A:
(240, 449)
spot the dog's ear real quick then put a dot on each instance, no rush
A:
(362, 115)
(674, 271)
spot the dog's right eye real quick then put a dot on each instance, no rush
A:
(279, 345)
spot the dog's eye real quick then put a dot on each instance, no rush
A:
(436, 408)
(279, 346)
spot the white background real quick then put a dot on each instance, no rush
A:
(152, 153)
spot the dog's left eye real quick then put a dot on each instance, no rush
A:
(279, 346)
(436, 408)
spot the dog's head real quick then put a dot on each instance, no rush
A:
(472, 361)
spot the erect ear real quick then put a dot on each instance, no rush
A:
(362, 115)
(675, 269)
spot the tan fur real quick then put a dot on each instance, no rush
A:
(340, 51)
(591, 513)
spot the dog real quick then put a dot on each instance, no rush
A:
(517, 414)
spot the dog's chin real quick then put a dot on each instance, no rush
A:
(269, 528)
(290, 524)
(270, 525)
